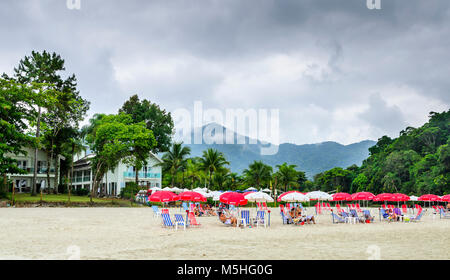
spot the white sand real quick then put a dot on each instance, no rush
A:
(133, 233)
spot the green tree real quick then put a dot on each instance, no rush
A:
(157, 120)
(258, 174)
(212, 161)
(287, 176)
(55, 99)
(14, 114)
(113, 139)
(175, 159)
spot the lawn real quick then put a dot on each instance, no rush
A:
(64, 198)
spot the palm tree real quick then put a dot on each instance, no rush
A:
(258, 173)
(212, 161)
(287, 175)
(192, 172)
(175, 159)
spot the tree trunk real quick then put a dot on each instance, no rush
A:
(38, 131)
(56, 164)
(48, 173)
(136, 178)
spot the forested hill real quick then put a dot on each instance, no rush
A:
(311, 158)
(417, 162)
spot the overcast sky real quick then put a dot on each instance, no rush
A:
(336, 70)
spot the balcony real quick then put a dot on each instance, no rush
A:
(42, 170)
(141, 175)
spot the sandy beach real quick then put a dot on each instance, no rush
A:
(133, 233)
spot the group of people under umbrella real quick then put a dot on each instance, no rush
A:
(237, 199)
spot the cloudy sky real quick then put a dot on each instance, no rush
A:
(336, 70)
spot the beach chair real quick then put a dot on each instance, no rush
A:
(258, 206)
(179, 221)
(166, 221)
(245, 218)
(384, 216)
(358, 208)
(368, 215)
(165, 211)
(383, 206)
(417, 217)
(301, 206)
(354, 214)
(229, 225)
(337, 219)
(264, 206)
(443, 214)
(192, 220)
(404, 209)
(329, 207)
(287, 219)
(346, 217)
(156, 211)
(185, 206)
(338, 208)
(281, 208)
(261, 218)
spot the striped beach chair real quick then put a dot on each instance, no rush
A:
(264, 206)
(156, 211)
(261, 218)
(245, 217)
(179, 221)
(166, 221)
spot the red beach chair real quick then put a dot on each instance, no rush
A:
(192, 220)
(264, 206)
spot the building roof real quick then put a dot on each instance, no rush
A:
(86, 160)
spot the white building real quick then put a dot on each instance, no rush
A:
(114, 181)
(24, 182)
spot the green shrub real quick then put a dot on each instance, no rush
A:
(130, 190)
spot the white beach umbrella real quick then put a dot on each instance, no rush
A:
(155, 189)
(217, 195)
(177, 190)
(293, 197)
(319, 195)
(413, 198)
(258, 197)
(267, 190)
(251, 189)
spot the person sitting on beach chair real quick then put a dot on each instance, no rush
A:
(228, 220)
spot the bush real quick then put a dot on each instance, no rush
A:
(130, 190)
(81, 192)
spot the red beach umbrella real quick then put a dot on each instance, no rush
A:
(429, 197)
(192, 196)
(341, 196)
(401, 197)
(385, 197)
(163, 196)
(233, 198)
(363, 196)
(446, 198)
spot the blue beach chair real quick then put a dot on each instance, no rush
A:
(179, 221)
(166, 221)
(156, 211)
(337, 219)
(416, 218)
(245, 217)
(261, 218)
(443, 215)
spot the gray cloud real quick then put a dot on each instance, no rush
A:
(318, 61)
